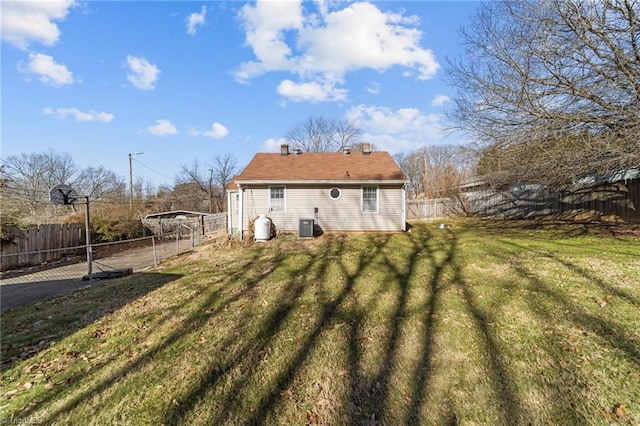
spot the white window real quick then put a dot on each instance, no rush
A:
(370, 199)
(276, 199)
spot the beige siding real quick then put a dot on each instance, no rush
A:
(343, 214)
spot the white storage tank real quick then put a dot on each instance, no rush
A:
(262, 228)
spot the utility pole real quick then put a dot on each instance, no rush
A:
(426, 174)
(210, 191)
(131, 181)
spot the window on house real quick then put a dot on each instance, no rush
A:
(335, 193)
(370, 199)
(276, 199)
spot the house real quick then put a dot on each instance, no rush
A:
(339, 191)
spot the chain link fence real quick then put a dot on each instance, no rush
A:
(71, 264)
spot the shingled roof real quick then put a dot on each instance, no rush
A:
(321, 167)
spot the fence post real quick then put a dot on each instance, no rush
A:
(87, 236)
(155, 254)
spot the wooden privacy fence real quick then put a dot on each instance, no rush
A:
(615, 202)
(42, 243)
(201, 225)
(433, 209)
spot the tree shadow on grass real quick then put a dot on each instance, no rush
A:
(251, 353)
(330, 310)
(28, 330)
(328, 313)
(423, 369)
(224, 390)
(510, 408)
(607, 330)
(212, 305)
(545, 229)
(565, 388)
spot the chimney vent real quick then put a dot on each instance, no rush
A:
(284, 149)
(366, 148)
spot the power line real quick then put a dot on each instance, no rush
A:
(149, 168)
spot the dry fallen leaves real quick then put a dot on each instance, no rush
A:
(603, 302)
(620, 412)
(312, 418)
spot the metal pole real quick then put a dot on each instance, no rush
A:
(130, 186)
(87, 236)
(155, 255)
(210, 191)
(131, 181)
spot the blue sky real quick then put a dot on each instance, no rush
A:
(189, 80)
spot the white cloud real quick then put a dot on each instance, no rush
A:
(397, 130)
(162, 128)
(48, 71)
(323, 47)
(265, 25)
(376, 40)
(79, 115)
(195, 20)
(218, 131)
(142, 73)
(272, 145)
(24, 22)
(440, 100)
(312, 91)
(373, 88)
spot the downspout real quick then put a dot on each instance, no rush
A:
(240, 206)
(229, 215)
(404, 209)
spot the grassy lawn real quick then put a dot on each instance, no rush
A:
(482, 323)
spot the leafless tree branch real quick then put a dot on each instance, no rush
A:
(556, 81)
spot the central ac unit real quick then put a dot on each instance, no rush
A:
(305, 228)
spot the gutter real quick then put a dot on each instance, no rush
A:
(322, 182)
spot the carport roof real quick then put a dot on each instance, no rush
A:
(175, 213)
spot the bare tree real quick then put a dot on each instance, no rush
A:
(559, 80)
(98, 182)
(191, 191)
(200, 185)
(436, 171)
(223, 169)
(320, 134)
(29, 178)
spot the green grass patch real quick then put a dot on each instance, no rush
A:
(481, 323)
